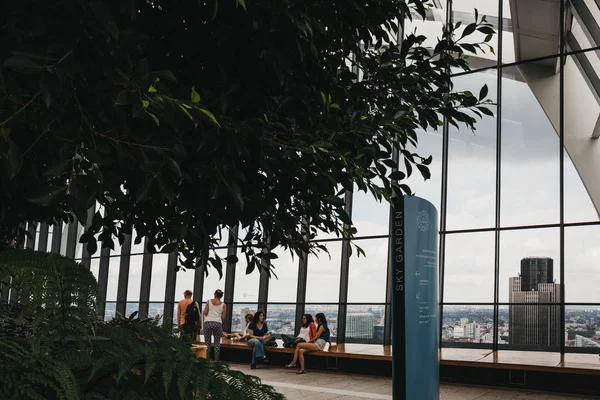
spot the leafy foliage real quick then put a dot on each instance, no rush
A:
(127, 358)
(183, 118)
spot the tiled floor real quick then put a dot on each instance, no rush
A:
(318, 385)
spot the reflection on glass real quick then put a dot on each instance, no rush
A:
(578, 204)
(525, 253)
(530, 157)
(95, 267)
(468, 326)
(323, 276)
(582, 269)
(283, 288)
(367, 275)
(472, 163)
(365, 323)
(582, 325)
(469, 268)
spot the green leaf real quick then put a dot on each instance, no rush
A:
(154, 117)
(195, 97)
(126, 97)
(166, 74)
(323, 98)
(483, 92)
(152, 89)
(241, 3)
(397, 175)
(334, 105)
(209, 115)
(23, 65)
(45, 196)
(186, 112)
(145, 104)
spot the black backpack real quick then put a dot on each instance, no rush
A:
(192, 313)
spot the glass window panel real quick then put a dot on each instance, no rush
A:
(130, 308)
(429, 144)
(530, 261)
(469, 268)
(135, 278)
(246, 285)
(158, 282)
(283, 288)
(464, 11)
(136, 248)
(95, 267)
(114, 264)
(323, 275)
(110, 310)
(582, 270)
(368, 275)
(472, 163)
(582, 156)
(365, 323)
(582, 326)
(239, 311)
(212, 281)
(184, 281)
(370, 216)
(156, 309)
(468, 326)
(79, 246)
(281, 318)
(530, 150)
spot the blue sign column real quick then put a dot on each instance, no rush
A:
(415, 319)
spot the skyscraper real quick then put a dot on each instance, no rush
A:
(535, 270)
(360, 325)
(533, 319)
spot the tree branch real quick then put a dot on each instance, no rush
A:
(20, 110)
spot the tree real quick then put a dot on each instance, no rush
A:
(183, 118)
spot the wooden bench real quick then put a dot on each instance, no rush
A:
(355, 351)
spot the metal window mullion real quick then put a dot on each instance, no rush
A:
(72, 238)
(495, 338)
(229, 288)
(56, 238)
(145, 281)
(86, 257)
(344, 277)
(31, 229)
(124, 264)
(263, 286)
(302, 279)
(561, 155)
(103, 278)
(170, 284)
(43, 239)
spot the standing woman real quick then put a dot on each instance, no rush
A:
(258, 336)
(315, 344)
(214, 314)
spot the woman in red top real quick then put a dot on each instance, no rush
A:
(308, 330)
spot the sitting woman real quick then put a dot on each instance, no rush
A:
(308, 331)
(258, 337)
(241, 336)
(315, 344)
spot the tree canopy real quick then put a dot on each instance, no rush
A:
(181, 118)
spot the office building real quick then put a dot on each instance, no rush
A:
(360, 325)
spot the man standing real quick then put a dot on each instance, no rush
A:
(188, 315)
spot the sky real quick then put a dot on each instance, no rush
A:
(529, 196)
